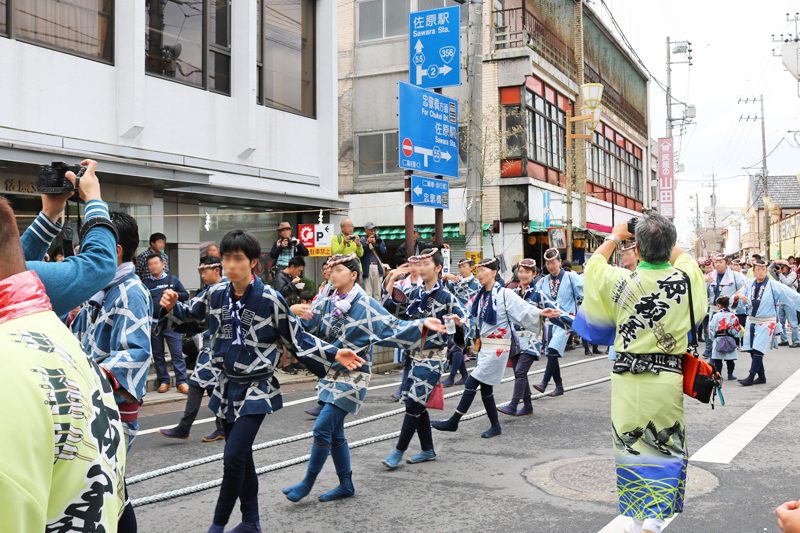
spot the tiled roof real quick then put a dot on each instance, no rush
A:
(785, 190)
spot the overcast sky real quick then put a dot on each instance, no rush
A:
(732, 59)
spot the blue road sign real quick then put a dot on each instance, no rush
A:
(428, 131)
(435, 47)
(430, 192)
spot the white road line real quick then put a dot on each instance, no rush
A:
(724, 448)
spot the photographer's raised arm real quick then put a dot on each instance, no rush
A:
(74, 280)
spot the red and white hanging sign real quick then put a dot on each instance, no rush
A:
(666, 177)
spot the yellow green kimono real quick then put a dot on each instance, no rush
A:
(645, 312)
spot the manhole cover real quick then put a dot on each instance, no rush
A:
(594, 478)
(597, 476)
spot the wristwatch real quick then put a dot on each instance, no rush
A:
(612, 238)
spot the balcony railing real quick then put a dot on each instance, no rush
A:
(513, 28)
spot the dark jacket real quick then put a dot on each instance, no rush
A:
(371, 256)
(157, 286)
(400, 253)
(284, 285)
(299, 249)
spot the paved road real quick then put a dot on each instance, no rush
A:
(503, 484)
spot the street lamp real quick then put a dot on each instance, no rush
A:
(591, 94)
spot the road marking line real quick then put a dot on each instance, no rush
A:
(723, 448)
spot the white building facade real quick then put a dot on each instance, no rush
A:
(204, 115)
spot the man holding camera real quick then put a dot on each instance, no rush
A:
(286, 247)
(346, 242)
(372, 260)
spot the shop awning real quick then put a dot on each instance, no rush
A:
(451, 231)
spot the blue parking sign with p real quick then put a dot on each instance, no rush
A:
(435, 47)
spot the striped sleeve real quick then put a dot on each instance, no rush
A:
(38, 237)
(96, 208)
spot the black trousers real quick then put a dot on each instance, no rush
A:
(193, 401)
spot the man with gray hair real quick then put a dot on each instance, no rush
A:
(346, 243)
(645, 314)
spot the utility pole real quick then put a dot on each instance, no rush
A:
(764, 173)
(713, 208)
(475, 141)
(581, 144)
(669, 92)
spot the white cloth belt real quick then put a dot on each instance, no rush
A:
(438, 354)
(525, 333)
(756, 320)
(496, 344)
(349, 377)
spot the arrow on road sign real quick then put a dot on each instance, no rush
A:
(418, 191)
(432, 71)
(446, 156)
(418, 47)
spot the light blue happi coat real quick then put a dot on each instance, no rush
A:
(732, 282)
(509, 309)
(464, 289)
(529, 344)
(723, 321)
(570, 290)
(367, 323)
(759, 337)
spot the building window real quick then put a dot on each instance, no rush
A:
(80, 27)
(378, 153)
(382, 18)
(189, 41)
(545, 126)
(286, 56)
(609, 163)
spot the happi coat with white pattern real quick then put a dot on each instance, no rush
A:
(425, 372)
(367, 323)
(247, 384)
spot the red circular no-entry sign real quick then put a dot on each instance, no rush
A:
(408, 148)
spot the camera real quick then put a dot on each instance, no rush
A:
(53, 178)
(632, 225)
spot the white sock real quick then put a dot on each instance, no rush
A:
(652, 525)
(634, 527)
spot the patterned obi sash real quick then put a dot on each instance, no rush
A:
(638, 363)
(437, 354)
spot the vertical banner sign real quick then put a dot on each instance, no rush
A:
(666, 181)
(446, 258)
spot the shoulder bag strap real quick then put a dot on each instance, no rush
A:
(692, 325)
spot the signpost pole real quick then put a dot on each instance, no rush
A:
(439, 213)
(409, 214)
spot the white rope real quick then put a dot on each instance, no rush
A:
(302, 459)
(302, 436)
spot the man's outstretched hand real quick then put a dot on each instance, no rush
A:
(349, 359)
(168, 299)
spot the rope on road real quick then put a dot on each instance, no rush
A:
(302, 436)
(298, 460)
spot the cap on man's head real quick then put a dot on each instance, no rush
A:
(370, 225)
(416, 229)
(284, 225)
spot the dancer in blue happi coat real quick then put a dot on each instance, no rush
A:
(762, 295)
(562, 290)
(249, 324)
(205, 375)
(349, 319)
(465, 288)
(427, 363)
(725, 330)
(530, 345)
(412, 279)
(722, 281)
(494, 310)
(740, 308)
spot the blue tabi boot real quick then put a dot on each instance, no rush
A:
(247, 527)
(424, 455)
(341, 458)
(393, 459)
(318, 457)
